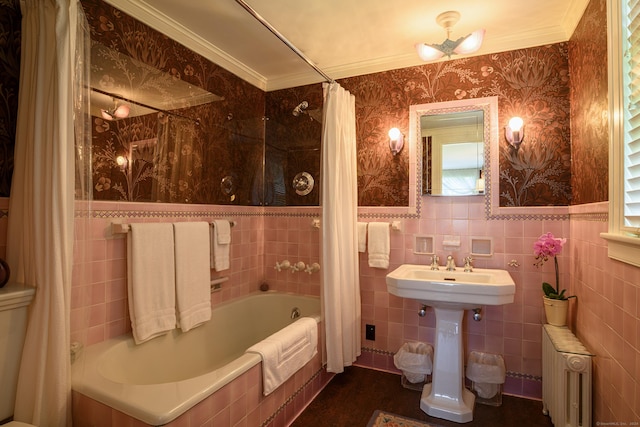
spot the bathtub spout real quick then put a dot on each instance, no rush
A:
(295, 313)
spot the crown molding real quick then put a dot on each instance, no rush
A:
(573, 16)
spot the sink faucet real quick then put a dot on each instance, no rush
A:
(451, 264)
(434, 262)
(468, 268)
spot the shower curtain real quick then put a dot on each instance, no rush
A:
(340, 272)
(41, 207)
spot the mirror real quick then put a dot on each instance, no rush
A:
(453, 144)
(462, 134)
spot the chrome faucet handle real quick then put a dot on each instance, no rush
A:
(468, 268)
(434, 263)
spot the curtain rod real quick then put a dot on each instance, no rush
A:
(283, 39)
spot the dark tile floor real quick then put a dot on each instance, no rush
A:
(351, 398)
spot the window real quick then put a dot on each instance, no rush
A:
(624, 138)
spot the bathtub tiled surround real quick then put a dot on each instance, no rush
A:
(240, 403)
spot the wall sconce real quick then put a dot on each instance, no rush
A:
(514, 132)
(396, 140)
(117, 112)
(122, 162)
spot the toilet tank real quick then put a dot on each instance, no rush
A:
(14, 300)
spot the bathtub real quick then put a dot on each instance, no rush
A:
(161, 379)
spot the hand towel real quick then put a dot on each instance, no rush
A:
(362, 237)
(286, 351)
(220, 244)
(193, 274)
(379, 244)
(151, 280)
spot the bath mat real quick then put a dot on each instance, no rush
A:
(387, 419)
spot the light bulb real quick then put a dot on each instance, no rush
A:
(516, 124)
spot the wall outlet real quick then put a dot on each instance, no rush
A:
(370, 332)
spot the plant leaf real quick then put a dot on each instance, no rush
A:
(548, 290)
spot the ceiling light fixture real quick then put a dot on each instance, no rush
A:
(462, 46)
(117, 112)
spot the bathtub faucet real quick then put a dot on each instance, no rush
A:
(295, 313)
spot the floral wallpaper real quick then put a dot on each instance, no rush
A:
(208, 153)
(10, 30)
(589, 106)
(222, 145)
(530, 83)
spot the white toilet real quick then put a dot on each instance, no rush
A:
(14, 299)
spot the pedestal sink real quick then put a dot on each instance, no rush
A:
(450, 293)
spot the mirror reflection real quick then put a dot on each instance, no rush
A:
(453, 153)
(167, 136)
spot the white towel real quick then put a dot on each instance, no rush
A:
(379, 244)
(362, 237)
(193, 274)
(151, 280)
(286, 351)
(220, 244)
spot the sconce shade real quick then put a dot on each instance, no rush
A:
(122, 162)
(463, 46)
(514, 132)
(396, 140)
(117, 112)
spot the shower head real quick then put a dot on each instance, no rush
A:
(300, 108)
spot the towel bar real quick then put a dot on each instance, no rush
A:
(123, 228)
(395, 225)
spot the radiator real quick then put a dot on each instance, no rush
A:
(566, 378)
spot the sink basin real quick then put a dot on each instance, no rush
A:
(450, 293)
(476, 288)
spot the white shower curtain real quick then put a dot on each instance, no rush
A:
(40, 228)
(340, 272)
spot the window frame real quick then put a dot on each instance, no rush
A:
(622, 246)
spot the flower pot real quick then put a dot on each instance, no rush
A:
(556, 311)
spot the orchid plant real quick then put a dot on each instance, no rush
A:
(547, 246)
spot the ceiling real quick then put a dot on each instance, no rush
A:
(345, 38)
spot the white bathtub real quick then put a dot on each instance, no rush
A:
(159, 380)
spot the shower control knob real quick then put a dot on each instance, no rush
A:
(312, 268)
(284, 265)
(298, 266)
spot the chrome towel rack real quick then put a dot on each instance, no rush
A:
(123, 228)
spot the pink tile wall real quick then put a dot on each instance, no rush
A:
(606, 317)
(99, 294)
(296, 240)
(512, 330)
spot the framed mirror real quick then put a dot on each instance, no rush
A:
(452, 139)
